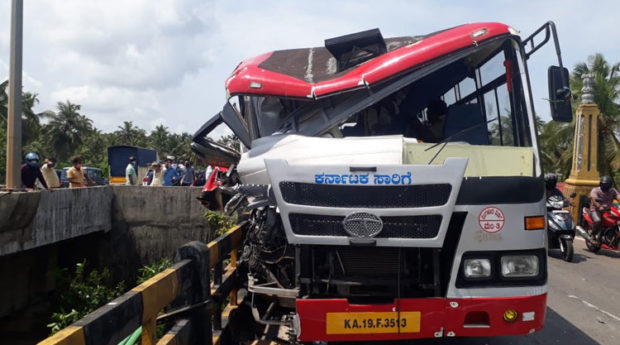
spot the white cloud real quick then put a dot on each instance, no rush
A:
(132, 44)
(165, 61)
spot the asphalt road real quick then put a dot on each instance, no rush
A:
(583, 304)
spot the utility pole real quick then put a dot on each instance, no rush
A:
(14, 118)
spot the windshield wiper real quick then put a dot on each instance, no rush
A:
(445, 141)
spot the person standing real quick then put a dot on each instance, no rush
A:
(158, 175)
(30, 172)
(188, 175)
(49, 173)
(131, 177)
(171, 176)
(149, 175)
(75, 174)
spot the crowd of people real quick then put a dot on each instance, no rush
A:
(166, 173)
(37, 175)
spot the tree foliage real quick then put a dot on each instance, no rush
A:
(67, 132)
(82, 292)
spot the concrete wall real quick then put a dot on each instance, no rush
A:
(118, 227)
(30, 220)
(159, 219)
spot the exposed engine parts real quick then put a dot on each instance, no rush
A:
(266, 251)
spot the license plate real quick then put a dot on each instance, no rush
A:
(372, 322)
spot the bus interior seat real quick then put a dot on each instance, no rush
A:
(461, 117)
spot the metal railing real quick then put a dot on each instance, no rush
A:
(186, 291)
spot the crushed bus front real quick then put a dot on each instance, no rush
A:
(392, 187)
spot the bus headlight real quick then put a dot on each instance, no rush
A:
(477, 268)
(516, 266)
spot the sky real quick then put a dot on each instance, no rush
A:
(165, 61)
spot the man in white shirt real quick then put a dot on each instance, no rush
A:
(49, 173)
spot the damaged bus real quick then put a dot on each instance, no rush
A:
(392, 187)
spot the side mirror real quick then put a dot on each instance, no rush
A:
(559, 94)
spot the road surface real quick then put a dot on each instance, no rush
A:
(583, 304)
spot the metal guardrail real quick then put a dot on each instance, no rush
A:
(186, 291)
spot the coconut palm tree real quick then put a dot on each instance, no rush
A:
(67, 129)
(159, 140)
(128, 134)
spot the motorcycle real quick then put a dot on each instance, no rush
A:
(560, 226)
(610, 229)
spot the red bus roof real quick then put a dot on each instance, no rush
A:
(311, 72)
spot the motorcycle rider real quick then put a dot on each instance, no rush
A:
(550, 190)
(606, 194)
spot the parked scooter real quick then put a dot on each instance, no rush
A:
(610, 229)
(560, 226)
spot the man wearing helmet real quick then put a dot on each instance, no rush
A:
(601, 199)
(30, 172)
(550, 190)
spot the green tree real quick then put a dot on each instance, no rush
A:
(128, 134)
(159, 139)
(556, 146)
(557, 138)
(180, 145)
(66, 130)
(94, 149)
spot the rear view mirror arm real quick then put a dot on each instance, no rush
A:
(549, 28)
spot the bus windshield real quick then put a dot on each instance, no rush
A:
(475, 96)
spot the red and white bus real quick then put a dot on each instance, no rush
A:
(394, 185)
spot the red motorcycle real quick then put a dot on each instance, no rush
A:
(610, 229)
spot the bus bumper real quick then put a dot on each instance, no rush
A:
(338, 320)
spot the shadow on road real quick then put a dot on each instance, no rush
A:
(608, 253)
(557, 330)
(577, 258)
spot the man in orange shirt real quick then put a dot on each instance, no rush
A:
(76, 176)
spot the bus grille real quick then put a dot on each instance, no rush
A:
(369, 261)
(365, 196)
(393, 227)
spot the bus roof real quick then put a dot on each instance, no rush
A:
(311, 72)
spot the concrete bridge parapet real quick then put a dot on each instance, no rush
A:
(34, 219)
